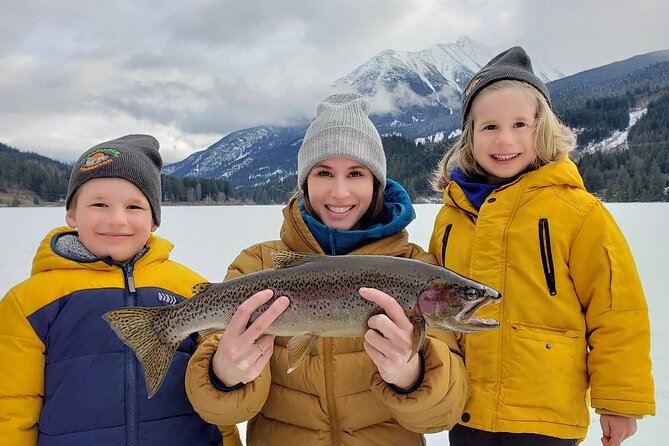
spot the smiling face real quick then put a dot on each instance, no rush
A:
(340, 192)
(503, 132)
(112, 216)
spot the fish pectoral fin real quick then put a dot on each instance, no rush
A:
(418, 337)
(288, 259)
(299, 348)
(208, 332)
(201, 287)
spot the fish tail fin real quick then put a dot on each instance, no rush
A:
(136, 327)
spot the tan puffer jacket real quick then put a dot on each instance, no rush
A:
(336, 397)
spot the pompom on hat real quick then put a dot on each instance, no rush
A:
(342, 129)
(134, 158)
(512, 64)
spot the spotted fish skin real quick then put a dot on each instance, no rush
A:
(324, 301)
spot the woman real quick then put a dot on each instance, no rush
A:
(350, 391)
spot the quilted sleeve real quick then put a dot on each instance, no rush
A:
(22, 371)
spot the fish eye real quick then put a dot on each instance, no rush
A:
(471, 293)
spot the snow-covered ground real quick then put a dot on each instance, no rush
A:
(208, 238)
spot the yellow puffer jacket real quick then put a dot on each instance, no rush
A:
(574, 321)
(66, 378)
(337, 397)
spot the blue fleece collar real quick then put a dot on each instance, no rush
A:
(475, 188)
(399, 213)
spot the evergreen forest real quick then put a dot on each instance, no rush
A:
(637, 170)
(28, 178)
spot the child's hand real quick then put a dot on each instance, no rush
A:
(616, 429)
(243, 352)
(389, 341)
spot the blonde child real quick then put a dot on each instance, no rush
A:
(574, 321)
(66, 377)
(350, 391)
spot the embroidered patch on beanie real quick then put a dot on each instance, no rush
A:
(98, 159)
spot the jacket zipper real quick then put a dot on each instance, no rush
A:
(444, 243)
(132, 424)
(547, 255)
(329, 391)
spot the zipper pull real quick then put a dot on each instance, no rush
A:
(131, 284)
(130, 278)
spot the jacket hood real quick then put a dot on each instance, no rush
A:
(296, 236)
(62, 249)
(559, 173)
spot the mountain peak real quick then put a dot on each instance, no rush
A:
(467, 42)
(433, 74)
(414, 94)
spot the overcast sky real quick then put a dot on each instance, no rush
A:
(78, 72)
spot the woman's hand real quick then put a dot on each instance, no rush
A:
(389, 341)
(243, 351)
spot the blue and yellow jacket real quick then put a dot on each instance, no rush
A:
(65, 377)
(574, 320)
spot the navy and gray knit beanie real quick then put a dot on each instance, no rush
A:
(134, 158)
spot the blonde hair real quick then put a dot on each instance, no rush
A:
(552, 139)
(73, 201)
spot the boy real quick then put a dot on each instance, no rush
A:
(67, 379)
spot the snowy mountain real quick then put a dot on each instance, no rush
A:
(441, 71)
(414, 94)
(417, 94)
(247, 157)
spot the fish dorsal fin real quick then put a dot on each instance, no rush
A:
(288, 259)
(201, 287)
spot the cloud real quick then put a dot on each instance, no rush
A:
(77, 72)
(580, 35)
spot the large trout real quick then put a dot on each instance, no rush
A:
(324, 301)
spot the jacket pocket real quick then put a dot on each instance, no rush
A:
(538, 374)
(444, 243)
(626, 290)
(547, 255)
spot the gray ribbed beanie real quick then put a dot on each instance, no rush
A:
(512, 64)
(132, 157)
(342, 129)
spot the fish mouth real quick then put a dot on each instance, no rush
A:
(466, 316)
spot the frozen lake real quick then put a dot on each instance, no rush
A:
(208, 238)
